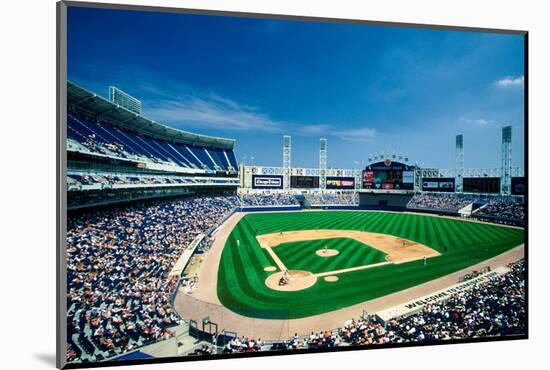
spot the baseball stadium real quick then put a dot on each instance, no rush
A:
(239, 185)
(176, 248)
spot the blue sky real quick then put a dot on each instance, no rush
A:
(365, 88)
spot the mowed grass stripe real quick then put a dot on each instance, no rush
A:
(351, 254)
(403, 224)
(391, 225)
(348, 248)
(248, 240)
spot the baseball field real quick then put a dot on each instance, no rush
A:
(339, 258)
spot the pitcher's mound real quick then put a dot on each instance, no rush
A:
(298, 280)
(270, 268)
(327, 252)
(331, 279)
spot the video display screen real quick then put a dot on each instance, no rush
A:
(481, 185)
(304, 182)
(388, 176)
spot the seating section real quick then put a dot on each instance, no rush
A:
(333, 198)
(106, 139)
(506, 208)
(478, 312)
(118, 260)
(268, 200)
(130, 180)
(440, 202)
(494, 206)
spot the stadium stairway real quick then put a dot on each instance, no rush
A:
(181, 343)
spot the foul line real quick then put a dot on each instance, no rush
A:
(276, 259)
(336, 272)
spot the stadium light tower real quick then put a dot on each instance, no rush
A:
(459, 163)
(322, 164)
(506, 170)
(125, 100)
(286, 161)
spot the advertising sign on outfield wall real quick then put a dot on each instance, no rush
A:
(304, 182)
(445, 184)
(267, 182)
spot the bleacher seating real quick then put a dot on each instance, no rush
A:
(108, 179)
(268, 199)
(495, 206)
(441, 202)
(333, 198)
(505, 208)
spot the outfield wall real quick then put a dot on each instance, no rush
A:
(269, 209)
(373, 199)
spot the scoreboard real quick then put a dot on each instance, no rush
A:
(304, 182)
(388, 175)
(481, 185)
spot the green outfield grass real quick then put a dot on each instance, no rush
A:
(241, 277)
(302, 256)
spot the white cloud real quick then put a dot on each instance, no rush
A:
(356, 135)
(510, 81)
(207, 109)
(477, 121)
(212, 111)
(315, 129)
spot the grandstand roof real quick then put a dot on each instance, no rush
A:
(89, 103)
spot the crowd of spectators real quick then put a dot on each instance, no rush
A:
(474, 274)
(333, 198)
(494, 308)
(440, 202)
(95, 144)
(268, 199)
(499, 207)
(204, 349)
(242, 344)
(323, 339)
(505, 208)
(108, 180)
(118, 260)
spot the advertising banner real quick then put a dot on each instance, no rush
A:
(441, 184)
(267, 182)
(340, 183)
